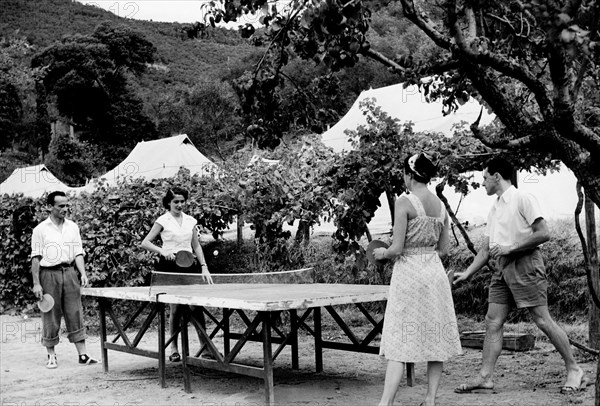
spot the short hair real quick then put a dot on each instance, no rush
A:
(170, 195)
(52, 196)
(501, 166)
(424, 168)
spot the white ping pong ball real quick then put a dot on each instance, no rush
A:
(215, 253)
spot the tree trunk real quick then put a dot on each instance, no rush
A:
(592, 246)
(303, 233)
(391, 199)
(240, 229)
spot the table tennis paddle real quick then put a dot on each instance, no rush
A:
(372, 245)
(47, 303)
(184, 259)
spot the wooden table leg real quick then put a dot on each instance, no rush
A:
(161, 345)
(268, 359)
(226, 331)
(185, 351)
(410, 374)
(294, 338)
(104, 352)
(318, 339)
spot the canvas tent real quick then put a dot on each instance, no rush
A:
(32, 181)
(555, 192)
(158, 159)
(405, 104)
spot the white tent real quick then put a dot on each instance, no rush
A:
(405, 104)
(555, 193)
(32, 181)
(158, 159)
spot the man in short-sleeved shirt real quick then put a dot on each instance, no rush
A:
(515, 230)
(56, 248)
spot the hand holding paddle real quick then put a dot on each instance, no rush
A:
(184, 259)
(47, 303)
(375, 252)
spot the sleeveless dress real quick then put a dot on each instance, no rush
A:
(420, 323)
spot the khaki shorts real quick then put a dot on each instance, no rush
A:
(520, 279)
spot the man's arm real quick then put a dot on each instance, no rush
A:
(35, 274)
(479, 262)
(540, 235)
(80, 265)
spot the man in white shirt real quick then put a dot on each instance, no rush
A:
(56, 249)
(515, 230)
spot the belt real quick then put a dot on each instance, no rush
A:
(59, 266)
(418, 251)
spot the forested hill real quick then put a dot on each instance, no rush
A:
(42, 22)
(185, 74)
(188, 89)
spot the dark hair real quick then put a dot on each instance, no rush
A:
(501, 166)
(52, 196)
(170, 195)
(423, 165)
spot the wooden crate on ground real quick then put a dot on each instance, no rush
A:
(510, 341)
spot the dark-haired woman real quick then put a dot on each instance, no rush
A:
(178, 232)
(420, 323)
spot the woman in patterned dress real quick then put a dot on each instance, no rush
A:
(420, 323)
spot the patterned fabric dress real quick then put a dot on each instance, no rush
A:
(420, 323)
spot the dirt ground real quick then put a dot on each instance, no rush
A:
(524, 378)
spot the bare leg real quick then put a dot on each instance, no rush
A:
(81, 349)
(434, 375)
(174, 322)
(393, 376)
(492, 346)
(559, 339)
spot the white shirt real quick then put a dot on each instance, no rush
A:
(176, 237)
(55, 244)
(511, 217)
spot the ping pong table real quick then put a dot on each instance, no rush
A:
(257, 306)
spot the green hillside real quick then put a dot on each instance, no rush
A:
(186, 72)
(46, 21)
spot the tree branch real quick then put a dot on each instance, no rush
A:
(498, 63)
(427, 69)
(517, 143)
(586, 256)
(379, 57)
(586, 61)
(439, 189)
(422, 21)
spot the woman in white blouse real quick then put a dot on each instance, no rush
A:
(178, 232)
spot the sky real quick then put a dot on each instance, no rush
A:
(181, 11)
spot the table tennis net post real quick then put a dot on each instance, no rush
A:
(304, 275)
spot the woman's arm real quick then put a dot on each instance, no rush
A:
(399, 233)
(200, 255)
(148, 245)
(443, 244)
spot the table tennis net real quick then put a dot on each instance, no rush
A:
(304, 275)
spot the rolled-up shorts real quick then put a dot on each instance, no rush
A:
(520, 279)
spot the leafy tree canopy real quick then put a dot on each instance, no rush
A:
(86, 76)
(534, 63)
